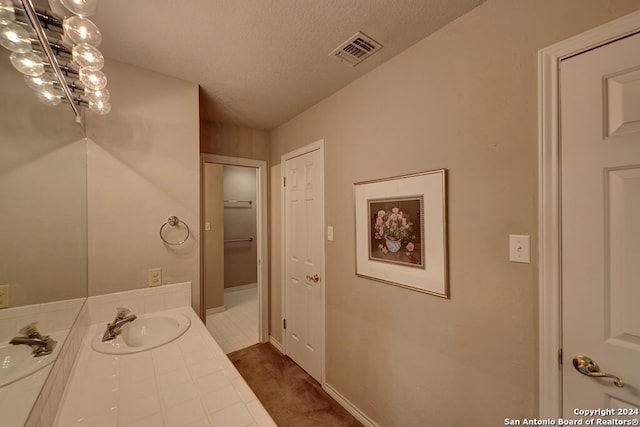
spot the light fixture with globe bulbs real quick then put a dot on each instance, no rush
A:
(57, 54)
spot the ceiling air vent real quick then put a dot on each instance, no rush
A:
(356, 49)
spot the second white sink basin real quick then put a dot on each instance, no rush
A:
(146, 332)
(17, 361)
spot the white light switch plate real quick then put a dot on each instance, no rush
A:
(519, 248)
(330, 233)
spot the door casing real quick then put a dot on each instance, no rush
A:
(549, 202)
(318, 145)
(261, 236)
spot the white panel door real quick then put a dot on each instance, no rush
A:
(304, 204)
(600, 164)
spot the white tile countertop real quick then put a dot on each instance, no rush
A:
(187, 382)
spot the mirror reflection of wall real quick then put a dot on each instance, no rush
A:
(43, 185)
(43, 227)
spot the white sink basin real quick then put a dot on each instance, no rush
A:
(146, 332)
(17, 361)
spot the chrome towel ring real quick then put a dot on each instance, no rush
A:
(174, 221)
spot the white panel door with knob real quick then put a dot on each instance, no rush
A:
(303, 240)
(600, 175)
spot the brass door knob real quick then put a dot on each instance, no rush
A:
(587, 366)
(315, 278)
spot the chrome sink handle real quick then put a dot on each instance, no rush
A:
(31, 331)
(41, 345)
(587, 366)
(122, 312)
(123, 317)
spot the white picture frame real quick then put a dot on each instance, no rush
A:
(411, 209)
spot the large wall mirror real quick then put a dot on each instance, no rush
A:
(43, 222)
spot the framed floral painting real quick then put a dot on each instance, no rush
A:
(401, 231)
(396, 231)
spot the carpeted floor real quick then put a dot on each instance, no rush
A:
(288, 393)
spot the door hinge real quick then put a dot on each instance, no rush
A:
(284, 181)
(284, 323)
(560, 356)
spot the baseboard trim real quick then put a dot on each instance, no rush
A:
(215, 310)
(276, 344)
(240, 288)
(350, 407)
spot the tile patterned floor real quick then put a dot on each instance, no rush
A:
(237, 326)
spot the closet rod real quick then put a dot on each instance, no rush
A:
(248, 239)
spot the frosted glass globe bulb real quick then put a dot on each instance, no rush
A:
(81, 7)
(93, 79)
(14, 38)
(28, 63)
(81, 30)
(51, 97)
(7, 13)
(87, 56)
(40, 83)
(97, 95)
(100, 107)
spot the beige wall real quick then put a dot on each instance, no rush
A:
(43, 187)
(240, 258)
(233, 141)
(464, 99)
(143, 167)
(43, 224)
(214, 259)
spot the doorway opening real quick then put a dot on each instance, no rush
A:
(234, 251)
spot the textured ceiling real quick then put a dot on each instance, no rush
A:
(259, 63)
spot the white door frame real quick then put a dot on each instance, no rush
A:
(549, 202)
(318, 145)
(261, 236)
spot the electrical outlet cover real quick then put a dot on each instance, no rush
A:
(155, 277)
(4, 296)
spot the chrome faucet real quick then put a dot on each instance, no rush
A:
(41, 345)
(113, 329)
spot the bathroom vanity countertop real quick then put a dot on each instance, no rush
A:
(187, 382)
(16, 399)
